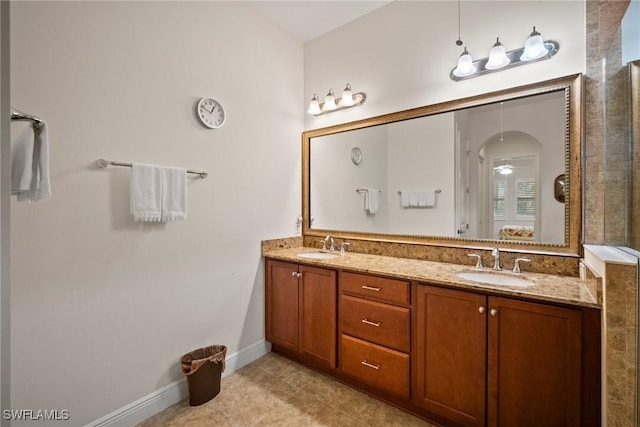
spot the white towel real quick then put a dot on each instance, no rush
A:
(413, 199)
(30, 162)
(404, 198)
(158, 193)
(174, 194)
(429, 198)
(422, 199)
(371, 201)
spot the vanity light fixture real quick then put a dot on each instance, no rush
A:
(534, 50)
(331, 103)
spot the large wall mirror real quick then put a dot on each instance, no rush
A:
(497, 169)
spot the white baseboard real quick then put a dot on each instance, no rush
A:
(159, 400)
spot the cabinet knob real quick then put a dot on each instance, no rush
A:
(294, 274)
(494, 311)
(481, 309)
(299, 275)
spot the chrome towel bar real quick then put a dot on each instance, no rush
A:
(435, 191)
(19, 115)
(103, 163)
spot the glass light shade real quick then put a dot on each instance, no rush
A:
(347, 96)
(506, 171)
(497, 57)
(534, 47)
(465, 65)
(314, 106)
(329, 101)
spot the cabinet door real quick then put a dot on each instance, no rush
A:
(282, 298)
(450, 356)
(318, 312)
(534, 364)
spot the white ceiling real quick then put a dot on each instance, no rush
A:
(308, 19)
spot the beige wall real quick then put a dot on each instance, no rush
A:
(103, 307)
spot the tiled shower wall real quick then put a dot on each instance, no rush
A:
(608, 182)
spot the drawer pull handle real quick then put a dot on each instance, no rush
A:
(369, 322)
(370, 365)
(370, 288)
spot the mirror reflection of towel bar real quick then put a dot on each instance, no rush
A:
(364, 189)
(436, 191)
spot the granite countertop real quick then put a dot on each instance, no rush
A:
(545, 287)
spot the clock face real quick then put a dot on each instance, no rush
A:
(356, 155)
(210, 113)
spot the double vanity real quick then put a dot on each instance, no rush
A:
(407, 314)
(436, 339)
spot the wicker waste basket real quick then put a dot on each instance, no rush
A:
(203, 368)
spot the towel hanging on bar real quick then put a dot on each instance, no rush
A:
(30, 180)
(103, 163)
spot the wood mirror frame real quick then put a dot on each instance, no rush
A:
(572, 87)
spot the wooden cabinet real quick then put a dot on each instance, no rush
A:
(527, 356)
(450, 368)
(456, 357)
(301, 311)
(375, 332)
(534, 364)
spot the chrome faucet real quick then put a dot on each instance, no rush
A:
(479, 265)
(496, 259)
(343, 247)
(327, 239)
(516, 265)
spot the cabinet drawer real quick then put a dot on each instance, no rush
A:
(380, 366)
(380, 323)
(377, 288)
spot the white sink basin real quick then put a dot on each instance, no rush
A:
(492, 278)
(317, 255)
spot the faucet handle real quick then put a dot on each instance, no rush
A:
(324, 244)
(516, 266)
(479, 265)
(343, 248)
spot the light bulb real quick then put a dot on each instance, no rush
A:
(497, 56)
(329, 101)
(465, 65)
(347, 96)
(534, 47)
(314, 106)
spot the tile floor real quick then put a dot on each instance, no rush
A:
(273, 391)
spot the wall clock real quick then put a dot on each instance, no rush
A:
(356, 155)
(210, 113)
